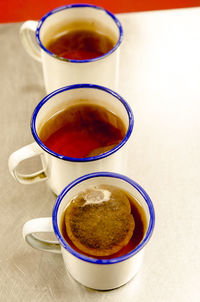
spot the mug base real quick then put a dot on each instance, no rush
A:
(102, 288)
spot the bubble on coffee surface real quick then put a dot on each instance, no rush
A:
(99, 221)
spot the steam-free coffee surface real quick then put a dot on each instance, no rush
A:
(99, 221)
(80, 44)
(82, 130)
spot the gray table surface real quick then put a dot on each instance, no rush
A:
(160, 78)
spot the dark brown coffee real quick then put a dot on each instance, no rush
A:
(79, 44)
(103, 222)
(82, 130)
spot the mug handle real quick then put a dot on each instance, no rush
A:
(40, 225)
(18, 156)
(26, 33)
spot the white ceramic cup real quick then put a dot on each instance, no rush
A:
(58, 71)
(59, 170)
(101, 274)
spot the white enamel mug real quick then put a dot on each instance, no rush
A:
(59, 170)
(101, 274)
(58, 71)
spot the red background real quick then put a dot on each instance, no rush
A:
(21, 10)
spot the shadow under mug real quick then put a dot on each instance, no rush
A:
(58, 71)
(101, 274)
(58, 169)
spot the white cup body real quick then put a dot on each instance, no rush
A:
(59, 72)
(103, 274)
(100, 274)
(59, 170)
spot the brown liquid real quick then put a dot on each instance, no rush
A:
(80, 44)
(82, 130)
(138, 234)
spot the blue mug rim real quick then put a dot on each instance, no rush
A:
(89, 259)
(58, 9)
(78, 86)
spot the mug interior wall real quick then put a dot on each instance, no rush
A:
(120, 183)
(81, 17)
(62, 100)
